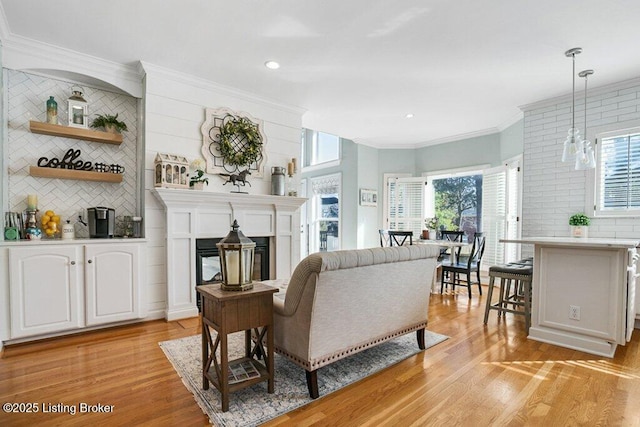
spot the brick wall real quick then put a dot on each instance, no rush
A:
(552, 190)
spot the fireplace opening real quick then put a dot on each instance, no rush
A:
(208, 261)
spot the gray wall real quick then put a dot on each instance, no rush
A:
(368, 221)
(552, 190)
(364, 167)
(512, 141)
(480, 150)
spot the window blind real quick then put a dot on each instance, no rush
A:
(406, 204)
(494, 214)
(619, 186)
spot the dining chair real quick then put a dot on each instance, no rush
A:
(399, 238)
(384, 238)
(453, 236)
(451, 272)
(323, 241)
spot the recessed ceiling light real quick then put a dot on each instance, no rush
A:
(409, 116)
(272, 65)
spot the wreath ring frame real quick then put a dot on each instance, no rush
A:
(243, 128)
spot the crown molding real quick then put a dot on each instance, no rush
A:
(22, 53)
(595, 91)
(208, 85)
(511, 121)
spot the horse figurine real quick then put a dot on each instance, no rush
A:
(237, 179)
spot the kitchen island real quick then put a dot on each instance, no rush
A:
(584, 292)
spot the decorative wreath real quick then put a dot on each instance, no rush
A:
(240, 141)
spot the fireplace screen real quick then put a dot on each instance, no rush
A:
(208, 261)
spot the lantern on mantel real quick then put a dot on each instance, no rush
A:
(171, 171)
(236, 259)
(77, 109)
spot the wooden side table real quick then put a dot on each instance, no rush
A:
(227, 312)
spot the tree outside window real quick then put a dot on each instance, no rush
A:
(458, 203)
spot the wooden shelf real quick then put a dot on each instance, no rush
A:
(75, 174)
(75, 133)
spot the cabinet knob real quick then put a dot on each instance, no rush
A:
(73, 263)
(89, 261)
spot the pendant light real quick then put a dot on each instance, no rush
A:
(573, 143)
(585, 159)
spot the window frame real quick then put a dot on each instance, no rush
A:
(593, 202)
(310, 140)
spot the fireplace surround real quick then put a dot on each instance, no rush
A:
(192, 215)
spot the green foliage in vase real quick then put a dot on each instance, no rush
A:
(579, 219)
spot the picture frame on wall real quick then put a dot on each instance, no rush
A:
(368, 197)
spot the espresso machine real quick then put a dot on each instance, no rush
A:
(102, 222)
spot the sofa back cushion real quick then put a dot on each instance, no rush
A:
(360, 294)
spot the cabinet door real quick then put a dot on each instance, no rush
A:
(112, 277)
(46, 295)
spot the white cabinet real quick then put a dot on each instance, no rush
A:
(45, 290)
(55, 288)
(112, 283)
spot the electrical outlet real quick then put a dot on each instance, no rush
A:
(574, 312)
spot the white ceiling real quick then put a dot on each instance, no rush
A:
(359, 66)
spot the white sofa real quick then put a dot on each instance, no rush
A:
(339, 303)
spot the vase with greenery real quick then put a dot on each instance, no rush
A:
(431, 225)
(109, 123)
(579, 225)
(198, 180)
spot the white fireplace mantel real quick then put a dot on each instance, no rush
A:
(201, 214)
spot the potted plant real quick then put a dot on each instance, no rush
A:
(579, 225)
(109, 123)
(198, 179)
(430, 232)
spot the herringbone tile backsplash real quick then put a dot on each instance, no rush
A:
(27, 95)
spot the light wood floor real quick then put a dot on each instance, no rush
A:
(481, 376)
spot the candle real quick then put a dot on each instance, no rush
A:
(32, 202)
(295, 164)
(290, 168)
(233, 267)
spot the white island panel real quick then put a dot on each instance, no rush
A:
(590, 275)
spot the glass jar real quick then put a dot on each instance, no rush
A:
(127, 226)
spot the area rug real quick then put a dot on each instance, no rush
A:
(253, 405)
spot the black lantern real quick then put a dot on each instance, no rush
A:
(236, 259)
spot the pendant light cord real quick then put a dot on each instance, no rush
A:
(573, 99)
(586, 77)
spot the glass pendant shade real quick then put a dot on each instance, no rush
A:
(572, 145)
(586, 159)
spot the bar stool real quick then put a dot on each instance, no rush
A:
(518, 274)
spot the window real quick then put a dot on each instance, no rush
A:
(618, 173)
(405, 204)
(479, 199)
(319, 148)
(455, 198)
(324, 221)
